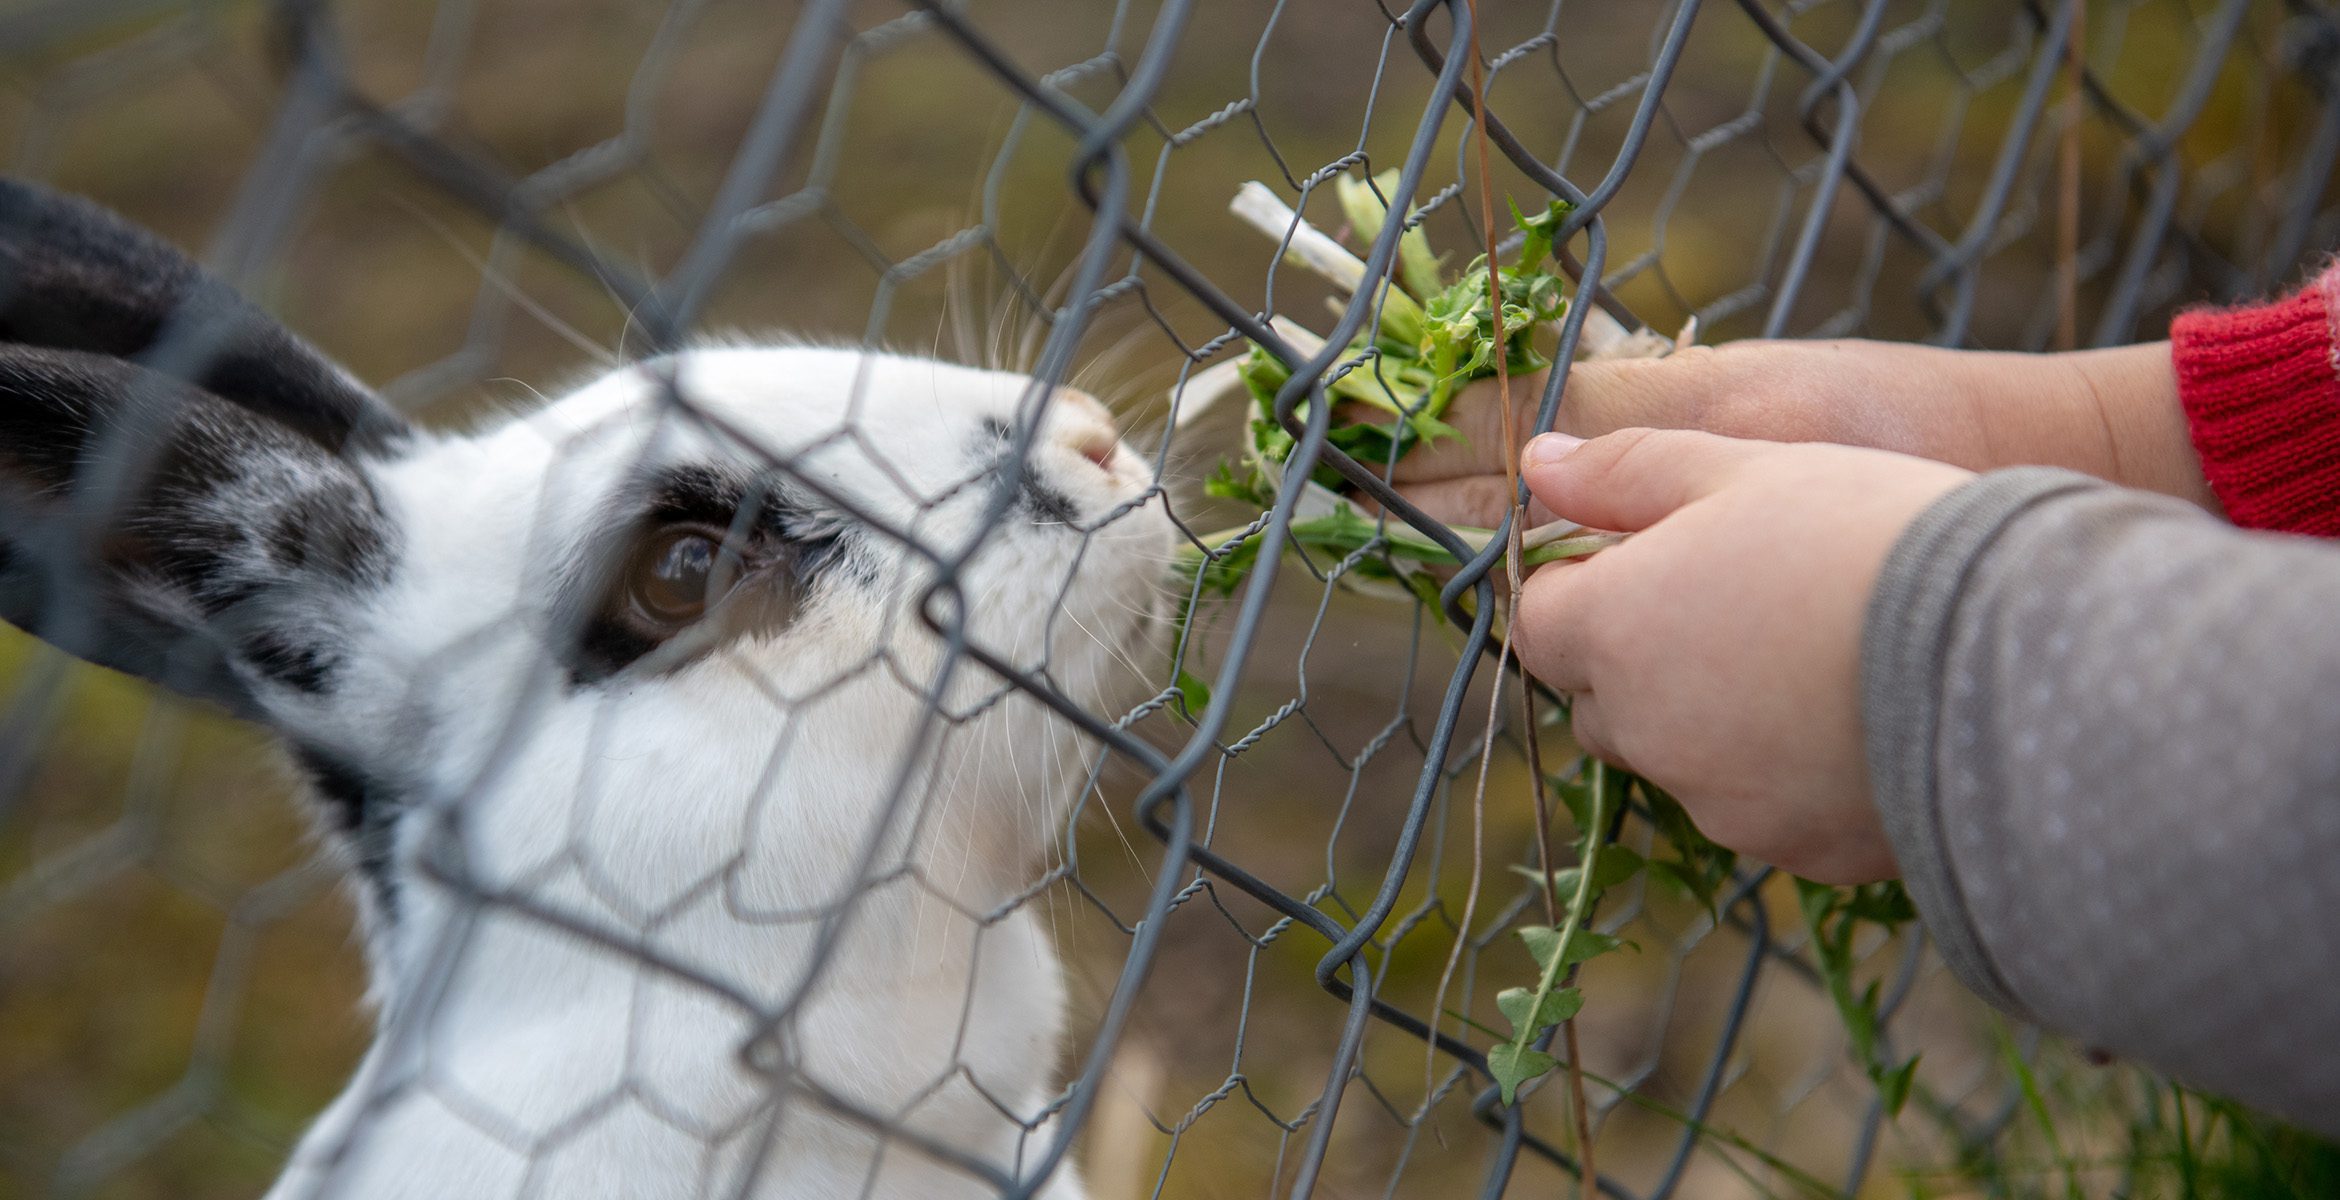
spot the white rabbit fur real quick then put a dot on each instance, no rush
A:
(720, 812)
(596, 865)
(600, 854)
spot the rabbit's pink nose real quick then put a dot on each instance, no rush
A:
(1097, 445)
(1089, 432)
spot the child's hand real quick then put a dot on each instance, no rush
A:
(2110, 413)
(1718, 650)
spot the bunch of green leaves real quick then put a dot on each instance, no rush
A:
(1358, 546)
(1431, 337)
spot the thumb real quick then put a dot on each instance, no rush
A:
(1630, 479)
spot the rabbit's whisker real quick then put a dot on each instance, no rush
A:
(502, 282)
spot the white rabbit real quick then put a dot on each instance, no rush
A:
(690, 861)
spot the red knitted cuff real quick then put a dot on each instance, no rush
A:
(2261, 389)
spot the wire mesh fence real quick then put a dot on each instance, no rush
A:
(937, 873)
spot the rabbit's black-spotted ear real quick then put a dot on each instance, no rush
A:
(74, 276)
(150, 526)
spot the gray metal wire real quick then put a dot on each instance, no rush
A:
(1809, 168)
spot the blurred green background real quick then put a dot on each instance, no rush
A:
(179, 982)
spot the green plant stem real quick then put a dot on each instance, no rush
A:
(1789, 1171)
(2034, 1100)
(1413, 547)
(1578, 905)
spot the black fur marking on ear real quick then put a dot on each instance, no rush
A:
(320, 532)
(230, 560)
(74, 276)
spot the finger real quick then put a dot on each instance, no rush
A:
(1588, 723)
(1602, 397)
(1480, 500)
(1477, 416)
(1632, 479)
(1553, 631)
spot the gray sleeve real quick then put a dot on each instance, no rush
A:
(2104, 733)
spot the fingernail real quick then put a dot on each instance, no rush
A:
(1547, 448)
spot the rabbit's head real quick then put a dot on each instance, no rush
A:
(689, 637)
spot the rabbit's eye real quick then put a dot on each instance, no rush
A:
(680, 574)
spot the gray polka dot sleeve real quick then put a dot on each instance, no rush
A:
(2104, 730)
